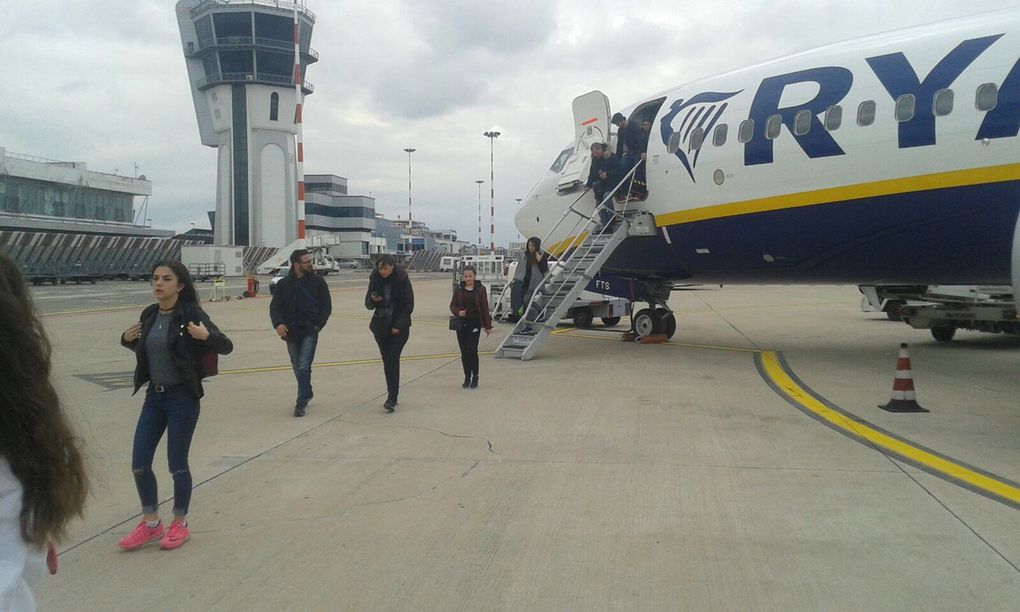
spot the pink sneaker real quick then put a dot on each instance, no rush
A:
(176, 536)
(142, 535)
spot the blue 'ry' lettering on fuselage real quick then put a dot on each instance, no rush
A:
(899, 78)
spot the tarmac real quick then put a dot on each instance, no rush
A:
(744, 465)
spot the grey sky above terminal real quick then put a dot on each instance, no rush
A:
(104, 82)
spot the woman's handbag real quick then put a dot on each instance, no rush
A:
(456, 323)
(209, 361)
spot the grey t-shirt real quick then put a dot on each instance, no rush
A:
(161, 367)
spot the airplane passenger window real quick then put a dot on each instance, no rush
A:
(719, 135)
(802, 122)
(866, 113)
(772, 126)
(905, 106)
(746, 131)
(943, 104)
(833, 118)
(697, 139)
(674, 143)
(987, 97)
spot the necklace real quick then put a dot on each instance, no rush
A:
(162, 318)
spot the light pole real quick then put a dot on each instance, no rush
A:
(479, 216)
(491, 135)
(518, 208)
(410, 223)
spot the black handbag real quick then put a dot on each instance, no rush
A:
(456, 323)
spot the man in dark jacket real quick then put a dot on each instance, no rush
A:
(632, 147)
(300, 308)
(605, 173)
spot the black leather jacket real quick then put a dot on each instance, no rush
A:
(184, 350)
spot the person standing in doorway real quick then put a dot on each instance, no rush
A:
(299, 310)
(168, 342)
(471, 305)
(391, 299)
(43, 482)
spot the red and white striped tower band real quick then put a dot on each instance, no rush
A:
(479, 215)
(491, 135)
(299, 98)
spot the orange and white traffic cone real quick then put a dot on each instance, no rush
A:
(903, 397)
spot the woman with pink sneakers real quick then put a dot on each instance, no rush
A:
(43, 484)
(170, 342)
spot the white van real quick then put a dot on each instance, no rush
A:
(448, 263)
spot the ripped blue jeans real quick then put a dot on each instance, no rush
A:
(176, 413)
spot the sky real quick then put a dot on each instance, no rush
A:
(105, 82)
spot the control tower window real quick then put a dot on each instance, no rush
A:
(274, 106)
(232, 25)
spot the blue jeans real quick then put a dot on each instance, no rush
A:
(302, 353)
(175, 412)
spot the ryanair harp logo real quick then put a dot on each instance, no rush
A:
(701, 111)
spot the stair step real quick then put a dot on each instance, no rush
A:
(512, 352)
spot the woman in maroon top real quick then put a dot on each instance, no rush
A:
(471, 304)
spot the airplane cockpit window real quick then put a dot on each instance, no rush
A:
(746, 131)
(802, 122)
(905, 106)
(866, 113)
(943, 104)
(772, 126)
(697, 139)
(561, 159)
(719, 135)
(833, 118)
(987, 97)
(674, 143)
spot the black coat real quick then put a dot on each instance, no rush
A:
(631, 138)
(397, 309)
(283, 309)
(184, 350)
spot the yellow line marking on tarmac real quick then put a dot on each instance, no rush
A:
(369, 317)
(347, 362)
(783, 381)
(92, 310)
(578, 334)
(985, 483)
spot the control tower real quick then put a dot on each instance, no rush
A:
(240, 60)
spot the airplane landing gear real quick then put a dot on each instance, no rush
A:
(649, 322)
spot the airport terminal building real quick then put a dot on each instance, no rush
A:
(59, 219)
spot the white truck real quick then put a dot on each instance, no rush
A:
(945, 308)
(205, 262)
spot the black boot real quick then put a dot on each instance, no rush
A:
(474, 381)
(467, 381)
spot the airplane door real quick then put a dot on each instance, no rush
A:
(591, 125)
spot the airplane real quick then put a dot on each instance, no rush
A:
(886, 160)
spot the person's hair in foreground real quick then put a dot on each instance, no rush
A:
(35, 437)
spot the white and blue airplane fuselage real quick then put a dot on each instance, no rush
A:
(893, 159)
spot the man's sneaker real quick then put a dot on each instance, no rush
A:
(389, 405)
(175, 537)
(142, 535)
(299, 410)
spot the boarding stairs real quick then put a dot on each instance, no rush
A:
(584, 255)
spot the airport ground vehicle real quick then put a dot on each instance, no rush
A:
(945, 308)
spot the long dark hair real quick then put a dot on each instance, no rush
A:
(528, 255)
(35, 437)
(188, 294)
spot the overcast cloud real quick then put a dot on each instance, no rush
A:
(104, 82)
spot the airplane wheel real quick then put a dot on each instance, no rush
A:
(610, 321)
(583, 318)
(645, 322)
(892, 310)
(944, 333)
(666, 322)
